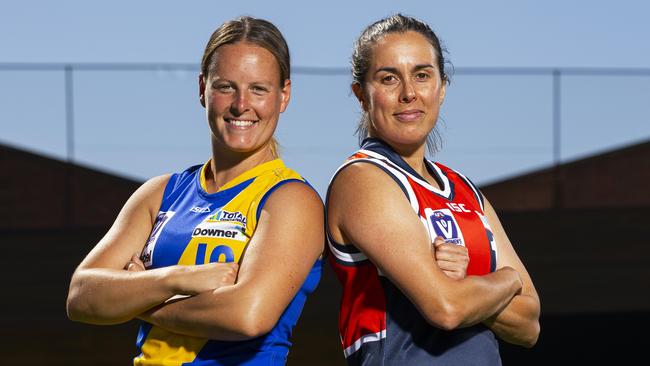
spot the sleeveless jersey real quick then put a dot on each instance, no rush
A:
(194, 227)
(378, 324)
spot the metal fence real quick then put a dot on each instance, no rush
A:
(141, 120)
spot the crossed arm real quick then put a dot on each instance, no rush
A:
(518, 322)
(287, 242)
(103, 292)
(378, 218)
(381, 223)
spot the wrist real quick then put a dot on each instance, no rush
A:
(515, 280)
(172, 279)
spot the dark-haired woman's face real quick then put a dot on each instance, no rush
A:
(243, 96)
(403, 91)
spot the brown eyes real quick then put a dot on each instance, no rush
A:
(392, 79)
(389, 79)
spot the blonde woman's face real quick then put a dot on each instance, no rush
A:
(243, 96)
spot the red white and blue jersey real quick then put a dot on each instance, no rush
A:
(378, 324)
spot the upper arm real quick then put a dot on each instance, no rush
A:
(287, 241)
(379, 221)
(506, 255)
(131, 228)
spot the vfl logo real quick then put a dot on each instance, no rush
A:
(147, 252)
(442, 223)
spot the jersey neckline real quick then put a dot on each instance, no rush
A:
(379, 149)
(243, 177)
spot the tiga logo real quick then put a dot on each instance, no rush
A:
(224, 215)
(442, 223)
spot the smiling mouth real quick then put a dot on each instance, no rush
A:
(410, 115)
(242, 123)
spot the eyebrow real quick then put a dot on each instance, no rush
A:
(394, 69)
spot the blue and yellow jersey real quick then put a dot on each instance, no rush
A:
(194, 227)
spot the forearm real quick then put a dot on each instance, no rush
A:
(480, 297)
(111, 296)
(224, 314)
(450, 304)
(517, 323)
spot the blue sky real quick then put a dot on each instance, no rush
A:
(140, 124)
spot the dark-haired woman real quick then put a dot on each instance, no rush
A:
(428, 273)
(217, 260)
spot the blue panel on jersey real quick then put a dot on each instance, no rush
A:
(142, 334)
(169, 256)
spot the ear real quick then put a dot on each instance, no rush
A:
(285, 93)
(443, 91)
(202, 89)
(358, 92)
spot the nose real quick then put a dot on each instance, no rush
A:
(239, 104)
(407, 94)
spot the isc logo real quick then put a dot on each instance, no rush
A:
(220, 253)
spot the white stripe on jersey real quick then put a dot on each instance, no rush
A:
(476, 192)
(445, 182)
(346, 257)
(373, 337)
(395, 172)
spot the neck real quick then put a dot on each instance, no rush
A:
(414, 157)
(227, 165)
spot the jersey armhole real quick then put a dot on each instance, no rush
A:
(368, 161)
(477, 193)
(272, 189)
(169, 188)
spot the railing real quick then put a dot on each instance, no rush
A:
(504, 114)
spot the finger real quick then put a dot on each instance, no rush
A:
(452, 255)
(450, 265)
(136, 259)
(439, 240)
(454, 275)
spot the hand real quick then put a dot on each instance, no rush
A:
(135, 264)
(451, 258)
(193, 280)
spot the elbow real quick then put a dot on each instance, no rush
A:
(446, 316)
(530, 338)
(255, 321)
(79, 309)
(73, 306)
(253, 328)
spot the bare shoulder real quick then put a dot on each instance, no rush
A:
(150, 194)
(366, 206)
(293, 197)
(364, 187)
